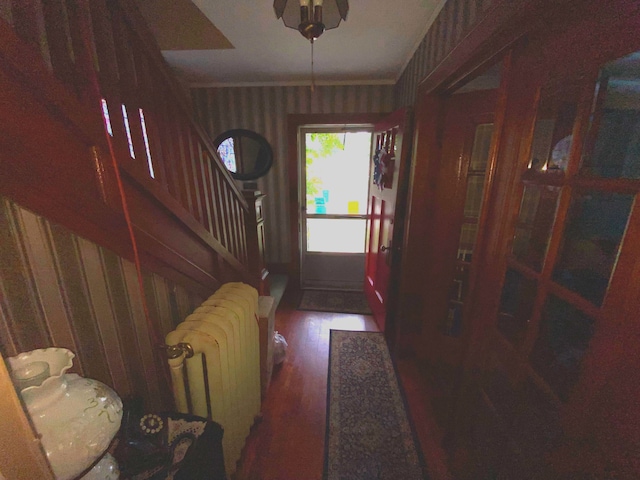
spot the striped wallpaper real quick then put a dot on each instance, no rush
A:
(454, 21)
(57, 289)
(264, 110)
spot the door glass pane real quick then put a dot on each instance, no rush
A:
(563, 339)
(533, 227)
(552, 135)
(595, 225)
(613, 144)
(452, 323)
(473, 202)
(481, 147)
(467, 241)
(475, 190)
(342, 235)
(516, 304)
(337, 172)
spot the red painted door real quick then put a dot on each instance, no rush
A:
(389, 157)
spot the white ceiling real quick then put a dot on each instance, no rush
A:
(373, 45)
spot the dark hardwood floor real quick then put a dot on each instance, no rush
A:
(288, 443)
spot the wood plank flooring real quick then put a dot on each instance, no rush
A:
(288, 443)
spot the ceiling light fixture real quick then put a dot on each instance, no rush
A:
(311, 17)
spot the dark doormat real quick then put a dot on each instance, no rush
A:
(334, 301)
(369, 433)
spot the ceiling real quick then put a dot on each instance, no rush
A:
(372, 46)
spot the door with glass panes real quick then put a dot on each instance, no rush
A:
(461, 177)
(554, 334)
(334, 165)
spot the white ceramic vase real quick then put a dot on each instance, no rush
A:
(76, 417)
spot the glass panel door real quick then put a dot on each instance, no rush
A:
(335, 176)
(452, 325)
(577, 196)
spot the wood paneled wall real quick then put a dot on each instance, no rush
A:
(59, 289)
(454, 21)
(264, 110)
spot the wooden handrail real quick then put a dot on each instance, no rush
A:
(190, 215)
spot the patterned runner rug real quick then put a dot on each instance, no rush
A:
(368, 431)
(334, 301)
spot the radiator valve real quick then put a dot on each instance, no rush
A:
(175, 351)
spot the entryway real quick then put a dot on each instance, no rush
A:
(334, 187)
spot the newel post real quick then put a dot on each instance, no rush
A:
(255, 238)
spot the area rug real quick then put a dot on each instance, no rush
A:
(334, 301)
(369, 435)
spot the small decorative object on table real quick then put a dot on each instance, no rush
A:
(76, 417)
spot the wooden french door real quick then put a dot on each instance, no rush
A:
(466, 141)
(553, 368)
(388, 184)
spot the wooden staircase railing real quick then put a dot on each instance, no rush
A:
(64, 64)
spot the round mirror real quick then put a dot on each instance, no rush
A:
(246, 154)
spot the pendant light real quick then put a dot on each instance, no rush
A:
(311, 18)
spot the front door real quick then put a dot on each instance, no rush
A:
(388, 187)
(334, 173)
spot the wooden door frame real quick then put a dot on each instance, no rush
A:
(501, 205)
(501, 28)
(294, 122)
(451, 193)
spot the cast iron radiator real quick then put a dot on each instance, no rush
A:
(215, 369)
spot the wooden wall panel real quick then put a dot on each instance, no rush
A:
(264, 110)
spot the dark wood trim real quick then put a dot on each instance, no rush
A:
(501, 26)
(294, 122)
(425, 162)
(594, 435)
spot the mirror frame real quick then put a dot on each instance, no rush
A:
(264, 143)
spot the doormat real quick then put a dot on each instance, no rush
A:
(334, 301)
(369, 434)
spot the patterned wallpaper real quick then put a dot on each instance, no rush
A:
(454, 21)
(57, 289)
(264, 110)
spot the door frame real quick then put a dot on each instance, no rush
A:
(329, 257)
(466, 59)
(294, 122)
(502, 27)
